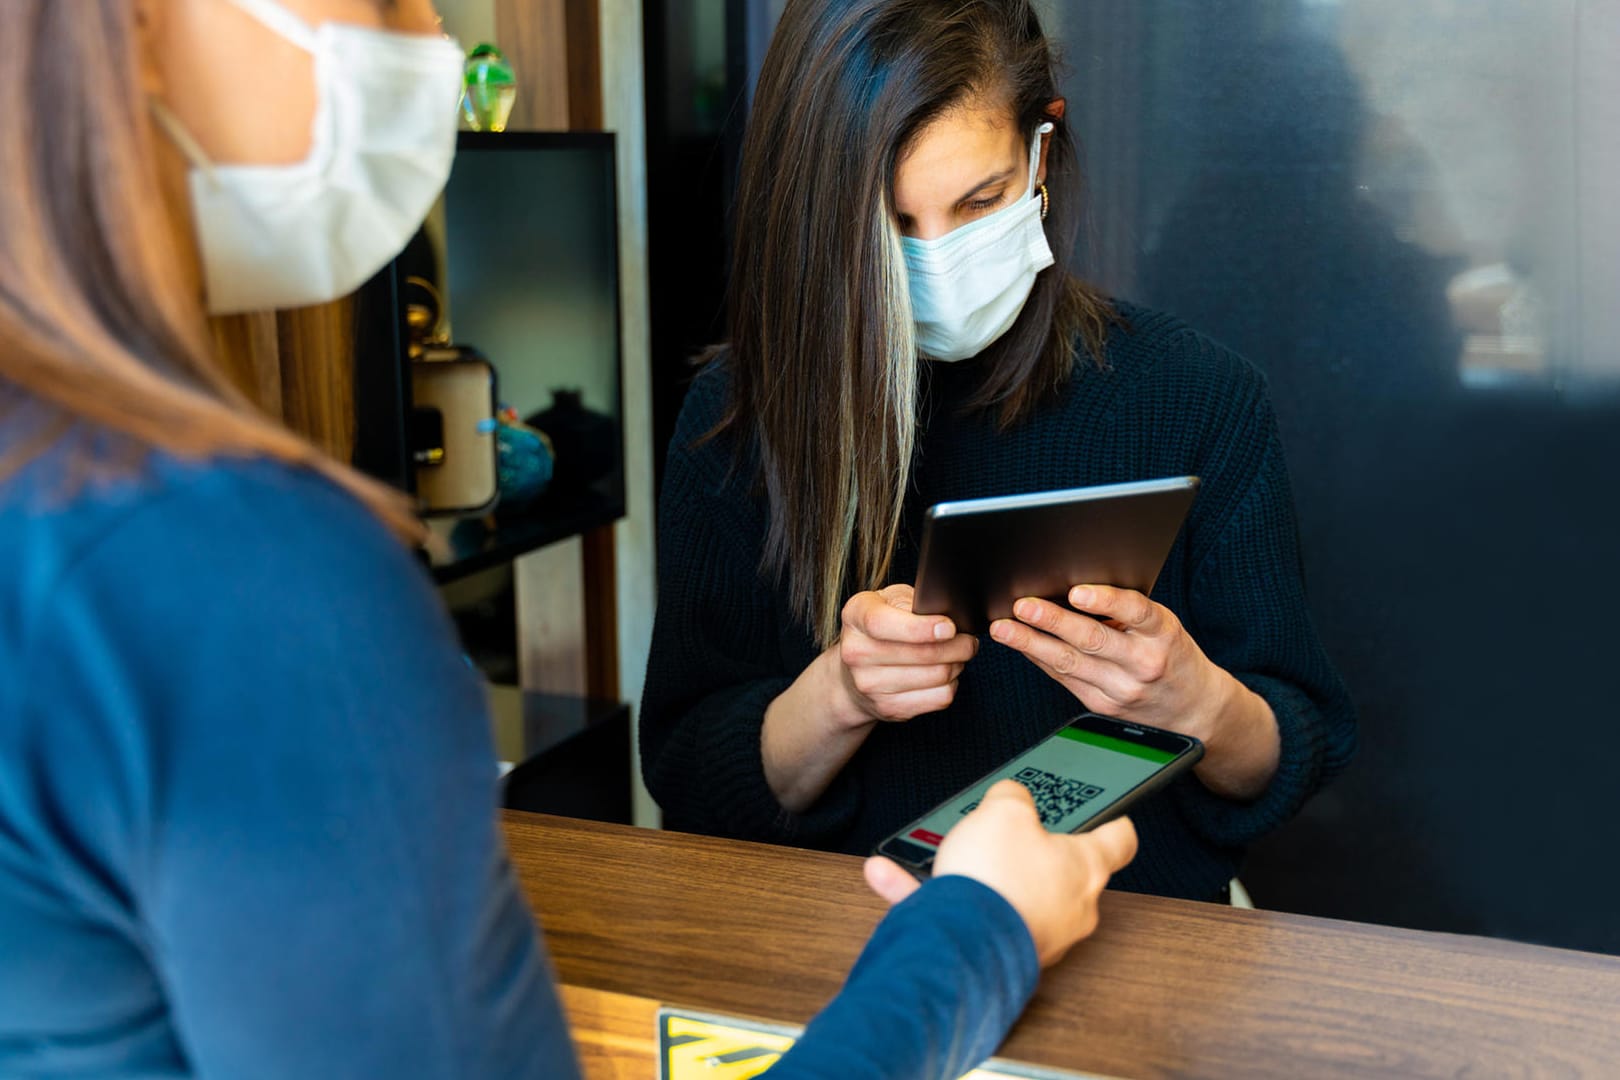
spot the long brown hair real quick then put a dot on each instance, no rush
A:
(821, 351)
(102, 327)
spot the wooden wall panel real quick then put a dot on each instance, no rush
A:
(297, 366)
(317, 374)
(600, 567)
(555, 49)
(584, 60)
(551, 618)
(534, 36)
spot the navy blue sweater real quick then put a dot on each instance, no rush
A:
(1168, 402)
(247, 814)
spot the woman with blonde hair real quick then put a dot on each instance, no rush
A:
(247, 791)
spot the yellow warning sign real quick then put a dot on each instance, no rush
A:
(702, 1046)
(717, 1049)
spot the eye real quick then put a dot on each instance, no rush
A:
(979, 206)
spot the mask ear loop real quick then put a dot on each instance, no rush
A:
(183, 140)
(273, 16)
(1035, 163)
(280, 20)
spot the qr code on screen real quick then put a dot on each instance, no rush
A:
(1056, 797)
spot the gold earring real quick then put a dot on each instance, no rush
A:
(1046, 201)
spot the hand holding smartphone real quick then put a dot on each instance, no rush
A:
(1051, 880)
(1090, 770)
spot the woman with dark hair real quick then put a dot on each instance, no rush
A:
(903, 332)
(247, 791)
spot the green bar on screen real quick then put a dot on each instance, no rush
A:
(1119, 746)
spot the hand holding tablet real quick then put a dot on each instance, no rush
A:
(894, 663)
(1078, 566)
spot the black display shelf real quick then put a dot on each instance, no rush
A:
(575, 139)
(536, 213)
(474, 546)
(577, 761)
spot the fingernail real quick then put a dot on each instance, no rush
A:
(1024, 609)
(943, 631)
(1079, 596)
(1001, 630)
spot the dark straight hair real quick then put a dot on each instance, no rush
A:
(821, 349)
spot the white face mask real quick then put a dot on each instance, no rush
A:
(278, 236)
(968, 286)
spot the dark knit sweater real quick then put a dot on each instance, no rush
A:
(1168, 402)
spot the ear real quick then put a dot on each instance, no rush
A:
(1054, 112)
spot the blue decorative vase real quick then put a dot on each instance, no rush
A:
(524, 461)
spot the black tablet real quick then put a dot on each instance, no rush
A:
(980, 555)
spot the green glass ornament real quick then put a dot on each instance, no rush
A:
(491, 89)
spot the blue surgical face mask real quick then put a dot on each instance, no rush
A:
(969, 286)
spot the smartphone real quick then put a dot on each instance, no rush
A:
(1091, 769)
(979, 556)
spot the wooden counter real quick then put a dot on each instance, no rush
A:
(1164, 988)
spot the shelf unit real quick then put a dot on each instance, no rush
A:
(473, 546)
(323, 369)
(524, 251)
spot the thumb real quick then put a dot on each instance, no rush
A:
(888, 880)
(1115, 842)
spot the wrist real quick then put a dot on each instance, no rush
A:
(808, 734)
(1219, 702)
(1241, 741)
(841, 703)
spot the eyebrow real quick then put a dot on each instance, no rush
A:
(989, 181)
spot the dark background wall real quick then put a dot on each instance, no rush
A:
(1402, 211)
(1405, 212)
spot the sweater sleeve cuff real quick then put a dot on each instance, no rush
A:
(1299, 772)
(989, 930)
(936, 990)
(742, 799)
